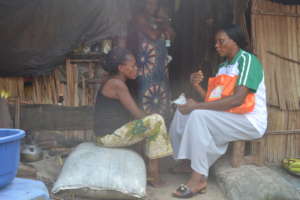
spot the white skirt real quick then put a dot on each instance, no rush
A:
(203, 136)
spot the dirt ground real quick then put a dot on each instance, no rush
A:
(49, 168)
(164, 193)
(173, 181)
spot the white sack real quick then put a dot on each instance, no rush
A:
(98, 172)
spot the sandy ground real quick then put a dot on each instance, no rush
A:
(172, 181)
(48, 171)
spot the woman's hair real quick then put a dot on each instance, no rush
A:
(235, 33)
(140, 5)
(114, 58)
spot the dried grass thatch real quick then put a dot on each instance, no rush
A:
(275, 31)
(276, 41)
(14, 86)
(71, 82)
(77, 84)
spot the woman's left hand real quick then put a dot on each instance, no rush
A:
(190, 105)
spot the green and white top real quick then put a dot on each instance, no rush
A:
(251, 75)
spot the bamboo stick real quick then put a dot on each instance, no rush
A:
(297, 41)
(84, 92)
(70, 83)
(75, 82)
(272, 13)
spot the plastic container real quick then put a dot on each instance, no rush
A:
(25, 189)
(9, 154)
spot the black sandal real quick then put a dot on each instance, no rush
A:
(184, 192)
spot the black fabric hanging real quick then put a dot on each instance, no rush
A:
(193, 49)
(36, 35)
(287, 2)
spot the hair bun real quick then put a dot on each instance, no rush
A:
(114, 58)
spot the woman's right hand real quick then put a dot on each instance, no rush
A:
(190, 105)
(196, 78)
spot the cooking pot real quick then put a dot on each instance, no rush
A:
(31, 153)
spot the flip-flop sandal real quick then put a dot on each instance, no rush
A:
(184, 192)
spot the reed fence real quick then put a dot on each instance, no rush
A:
(276, 41)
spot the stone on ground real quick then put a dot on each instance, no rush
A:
(249, 182)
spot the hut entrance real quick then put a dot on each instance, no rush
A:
(73, 81)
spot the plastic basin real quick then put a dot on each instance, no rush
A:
(9, 154)
(24, 189)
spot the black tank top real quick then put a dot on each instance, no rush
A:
(110, 115)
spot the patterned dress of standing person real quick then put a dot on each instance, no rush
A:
(152, 84)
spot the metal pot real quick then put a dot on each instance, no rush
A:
(31, 153)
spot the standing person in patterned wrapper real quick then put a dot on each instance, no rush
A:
(234, 109)
(149, 40)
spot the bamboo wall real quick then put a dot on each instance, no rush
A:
(77, 84)
(15, 86)
(276, 41)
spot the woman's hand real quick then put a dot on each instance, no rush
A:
(168, 32)
(190, 105)
(196, 78)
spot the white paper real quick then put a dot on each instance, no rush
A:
(181, 100)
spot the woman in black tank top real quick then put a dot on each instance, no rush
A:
(115, 111)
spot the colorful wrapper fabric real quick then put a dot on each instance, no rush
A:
(152, 128)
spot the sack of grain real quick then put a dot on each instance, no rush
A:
(102, 173)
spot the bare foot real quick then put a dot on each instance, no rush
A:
(197, 182)
(156, 183)
(197, 186)
(154, 178)
(153, 173)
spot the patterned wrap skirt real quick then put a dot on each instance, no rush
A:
(151, 128)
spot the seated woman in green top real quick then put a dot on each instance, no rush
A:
(234, 109)
(115, 108)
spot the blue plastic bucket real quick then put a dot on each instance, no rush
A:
(24, 189)
(9, 154)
